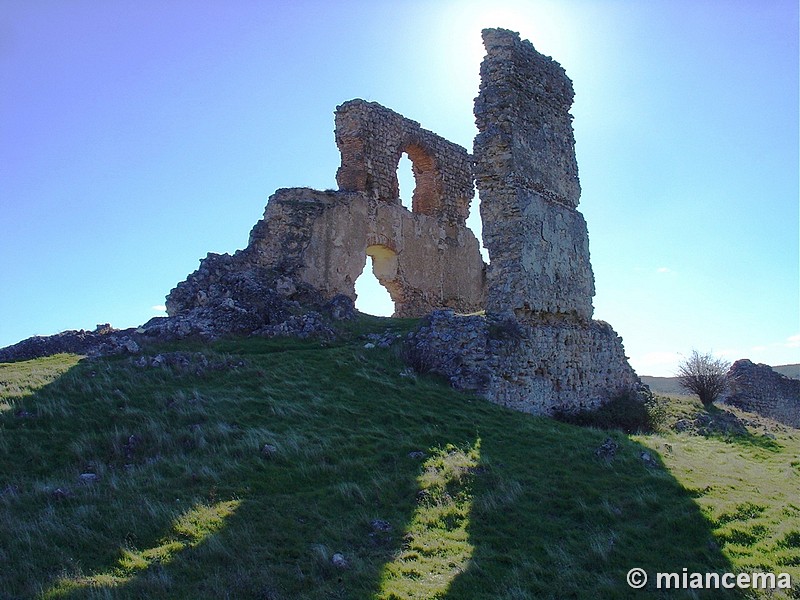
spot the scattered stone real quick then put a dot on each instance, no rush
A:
(380, 525)
(722, 422)
(285, 286)
(60, 494)
(339, 561)
(104, 341)
(703, 420)
(383, 340)
(416, 454)
(269, 450)
(648, 460)
(340, 308)
(88, 478)
(369, 345)
(607, 450)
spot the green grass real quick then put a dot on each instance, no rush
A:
(500, 505)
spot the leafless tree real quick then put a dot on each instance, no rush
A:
(704, 375)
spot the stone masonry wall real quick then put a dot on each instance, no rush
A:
(313, 244)
(758, 388)
(535, 368)
(323, 239)
(372, 138)
(527, 175)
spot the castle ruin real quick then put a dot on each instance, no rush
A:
(535, 347)
(518, 331)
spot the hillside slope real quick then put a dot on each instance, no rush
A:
(284, 469)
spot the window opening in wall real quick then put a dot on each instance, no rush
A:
(476, 225)
(372, 297)
(405, 180)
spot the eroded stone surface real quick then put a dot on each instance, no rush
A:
(371, 139)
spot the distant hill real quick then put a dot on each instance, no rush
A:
(792, 371)
(664, 385)
(669, 385)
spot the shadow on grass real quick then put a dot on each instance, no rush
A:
(564, 523)
(296, 457)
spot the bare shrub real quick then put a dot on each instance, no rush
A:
(704, 375)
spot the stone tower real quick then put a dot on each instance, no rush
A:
(527, 176)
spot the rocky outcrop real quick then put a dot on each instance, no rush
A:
(104, 340)
(758, 388)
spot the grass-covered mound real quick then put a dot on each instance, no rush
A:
(285, 469)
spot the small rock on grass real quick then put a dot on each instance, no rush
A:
(607, 449)
(269, 450)
(381, 525)
(339, 561)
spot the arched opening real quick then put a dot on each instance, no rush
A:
(427, 197)
(405, 180)
(374, 286)
(418, 182)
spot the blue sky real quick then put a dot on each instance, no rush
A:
(135, 137)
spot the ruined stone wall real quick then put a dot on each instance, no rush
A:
(372, 138)
(426, 258)
(323, 239)
(527, 176)
(758, 388)
(320, 241)
(535, 368)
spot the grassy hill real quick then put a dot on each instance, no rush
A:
(286, 469)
